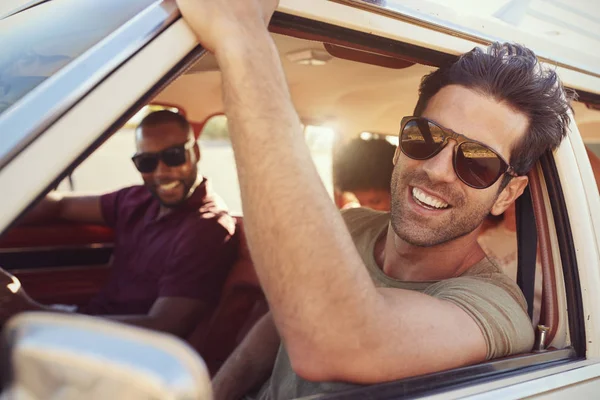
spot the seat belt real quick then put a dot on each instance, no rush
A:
(526, 247)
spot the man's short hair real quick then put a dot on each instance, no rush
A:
(164, 117)
(364, 165)
(511, 73)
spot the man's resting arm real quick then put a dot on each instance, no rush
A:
(83, 209)
(251, 362)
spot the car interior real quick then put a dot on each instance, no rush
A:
(341, 90)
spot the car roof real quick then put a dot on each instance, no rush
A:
(561, 32)
(348, 96)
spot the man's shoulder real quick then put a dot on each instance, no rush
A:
(496, 304)
(211, 216)
(481, 277)
(135, 194)
(361, 218)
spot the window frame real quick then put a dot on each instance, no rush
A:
(444, 381)
(495, 370)
(62, 146)
(52, 98)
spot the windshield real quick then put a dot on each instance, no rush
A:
(564, 31)
(37, 43)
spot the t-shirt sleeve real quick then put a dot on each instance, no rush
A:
(199, 265)
(497, 306)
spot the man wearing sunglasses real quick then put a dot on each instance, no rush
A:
(384, 296)
(174, 239)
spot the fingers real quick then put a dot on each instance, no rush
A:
(214, 21)
(5, 277)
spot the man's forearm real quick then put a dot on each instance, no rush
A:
(304, 256)
(143, 321)
(250, 364)
(49, 208)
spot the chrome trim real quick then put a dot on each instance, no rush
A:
(44, 270)
(90, 246)
(426, 21)
(22, 7)
(41, 107)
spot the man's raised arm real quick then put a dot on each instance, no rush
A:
(334, 322)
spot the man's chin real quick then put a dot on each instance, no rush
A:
(418, 240)
(419, 236)
(170, 203)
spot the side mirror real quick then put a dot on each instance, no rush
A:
(66, 356)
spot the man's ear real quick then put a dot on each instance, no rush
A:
(197, 153)
(396, 155)
(511, 192)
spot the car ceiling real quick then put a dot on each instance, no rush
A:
(348, 96)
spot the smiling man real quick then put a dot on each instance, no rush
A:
(174, 240)
(381, 296)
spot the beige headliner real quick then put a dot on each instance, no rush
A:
(351, 97)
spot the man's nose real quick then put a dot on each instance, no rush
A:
(162, 169)
(439, 168)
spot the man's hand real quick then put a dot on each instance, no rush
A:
(13, 298)
(216, 21)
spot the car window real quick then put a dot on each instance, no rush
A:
(35, 45)
(110, 168)
(218, 164)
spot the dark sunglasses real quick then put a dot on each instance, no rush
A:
(174, 156)
(476, 164)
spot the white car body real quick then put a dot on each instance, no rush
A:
(89, 114)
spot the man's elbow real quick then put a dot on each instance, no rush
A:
(182, 331)
(312, 365)
(323, 363)
(165, 326)
(347, 363)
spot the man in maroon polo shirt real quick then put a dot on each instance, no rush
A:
(174, 240)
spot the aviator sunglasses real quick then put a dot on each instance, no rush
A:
(174, 156)
(475, 164)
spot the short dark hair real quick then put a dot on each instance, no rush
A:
(164, 117)
(511, 73)
(364, 165)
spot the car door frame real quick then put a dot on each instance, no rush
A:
(90, 117)
(144, 74)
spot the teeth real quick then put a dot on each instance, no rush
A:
(428, 200)
(169, 186)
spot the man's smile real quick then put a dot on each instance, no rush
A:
(427, 200)
(168, 188)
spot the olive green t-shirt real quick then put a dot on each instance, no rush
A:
(491, 298)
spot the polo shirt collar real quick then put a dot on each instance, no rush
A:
(195, 201)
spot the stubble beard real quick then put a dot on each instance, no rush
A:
(463, 218)
(187, 183)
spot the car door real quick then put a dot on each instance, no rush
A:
(71, 73)
(71, 121)
(566, 199)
